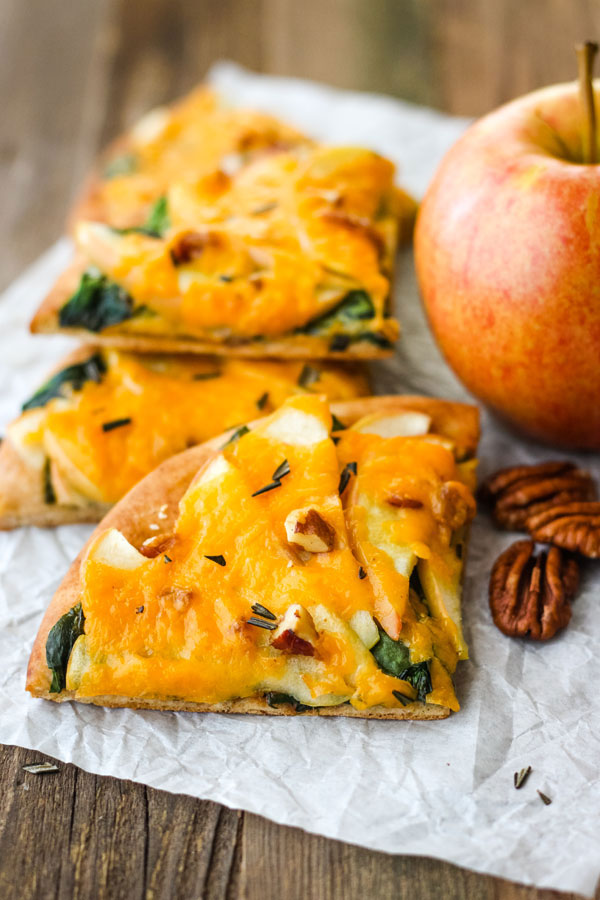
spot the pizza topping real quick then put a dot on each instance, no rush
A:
(71, 378)
(59, 643)
(348, 470)
(116, 423)
(280, 472)
(296, 632)
(308, 529)
(219, 560)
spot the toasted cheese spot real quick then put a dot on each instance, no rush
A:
(113, 549)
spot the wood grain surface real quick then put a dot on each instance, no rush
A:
(73, 73)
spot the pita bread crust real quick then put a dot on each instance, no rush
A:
(45, 321)
(162, 490)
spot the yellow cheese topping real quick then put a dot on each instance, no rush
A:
(166, 404)
(264, 251)
(176, 626)
(196, 136)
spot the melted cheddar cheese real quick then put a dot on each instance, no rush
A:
(265, 252)
(196, 136)
(180, 626)
(166, 404)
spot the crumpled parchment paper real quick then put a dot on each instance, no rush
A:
(441, 789)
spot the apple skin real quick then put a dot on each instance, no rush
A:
(507, 248)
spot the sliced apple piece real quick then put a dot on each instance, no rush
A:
(441, 578)
(293, 426)
(113, 549)
(364, 625)
(403, 424)
(26, 436)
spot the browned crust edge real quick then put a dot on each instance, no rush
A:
(45, 321)
(162, 490)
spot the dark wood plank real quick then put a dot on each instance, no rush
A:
(313, 866)
(76, 835)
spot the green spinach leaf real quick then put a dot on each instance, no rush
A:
(73, 377)
(155, 225)
(274, 699)
(59, 644)
(97, 303)
(393, 658)
(125, 164)
(354, 307)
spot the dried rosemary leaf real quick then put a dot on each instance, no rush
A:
(545, 800)
(40, 768)
(116, 423)
(260, 623)
(219, 559)
(349, 469)
(262, 400)
(521, 777)
(261, 610)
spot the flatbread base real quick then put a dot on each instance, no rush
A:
(136, 516)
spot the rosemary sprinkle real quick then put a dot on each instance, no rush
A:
(219, 559)
(40, 768)
(545, 800)
(260, 623)
(261, 610)
(349, 469)
(116, 423)
(521, 777)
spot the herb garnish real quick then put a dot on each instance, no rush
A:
(265, 208)
(349, 469)
(339, 342)
(521, 777)
(361, 573)
(237, 434)
(205, 376)
(139, 609)
(274, 699)
(404, 700)
(116, 423)
(336, 425)
(545, 800)
(262, 400)
(167, 558)
(261, 610)
(219, 559)
(40, 768)
(354, 307)
(156, 224)
(393, 658)
(59, 644)
(280, 472)
(125, 164)
(97, 303)
(73, 377)
(308, 376)
(261, 623)
(226, 278)
(49, 494)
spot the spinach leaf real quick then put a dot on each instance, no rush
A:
(373, 337)
(420, 678)
(49, 495)
(155, 225)
(73, 377)
(393, 658)
(354, 307)
(59, 644)
(274, 699)
(97, 303)
(125, 164)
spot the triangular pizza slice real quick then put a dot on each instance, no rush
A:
(285, 578)
(106, 418)
(289, 252)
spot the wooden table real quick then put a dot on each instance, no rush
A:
(73, 74)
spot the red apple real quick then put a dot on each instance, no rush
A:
(507, 250)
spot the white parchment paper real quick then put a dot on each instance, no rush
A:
(441, 789)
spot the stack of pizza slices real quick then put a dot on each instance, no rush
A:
(270, 542)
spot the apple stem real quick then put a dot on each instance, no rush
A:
(585, 61)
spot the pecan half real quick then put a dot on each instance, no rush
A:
(572, 526)
(530, 596)
(519, 492)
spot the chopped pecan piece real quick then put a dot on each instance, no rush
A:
(520, 492)
(530, 596)
(403, 502)
(573, 526)
(157, 544)
(296, 632)
(308, 529)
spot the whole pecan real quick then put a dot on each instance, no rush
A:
(572, 526)
(519, 492)
(530, 596)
